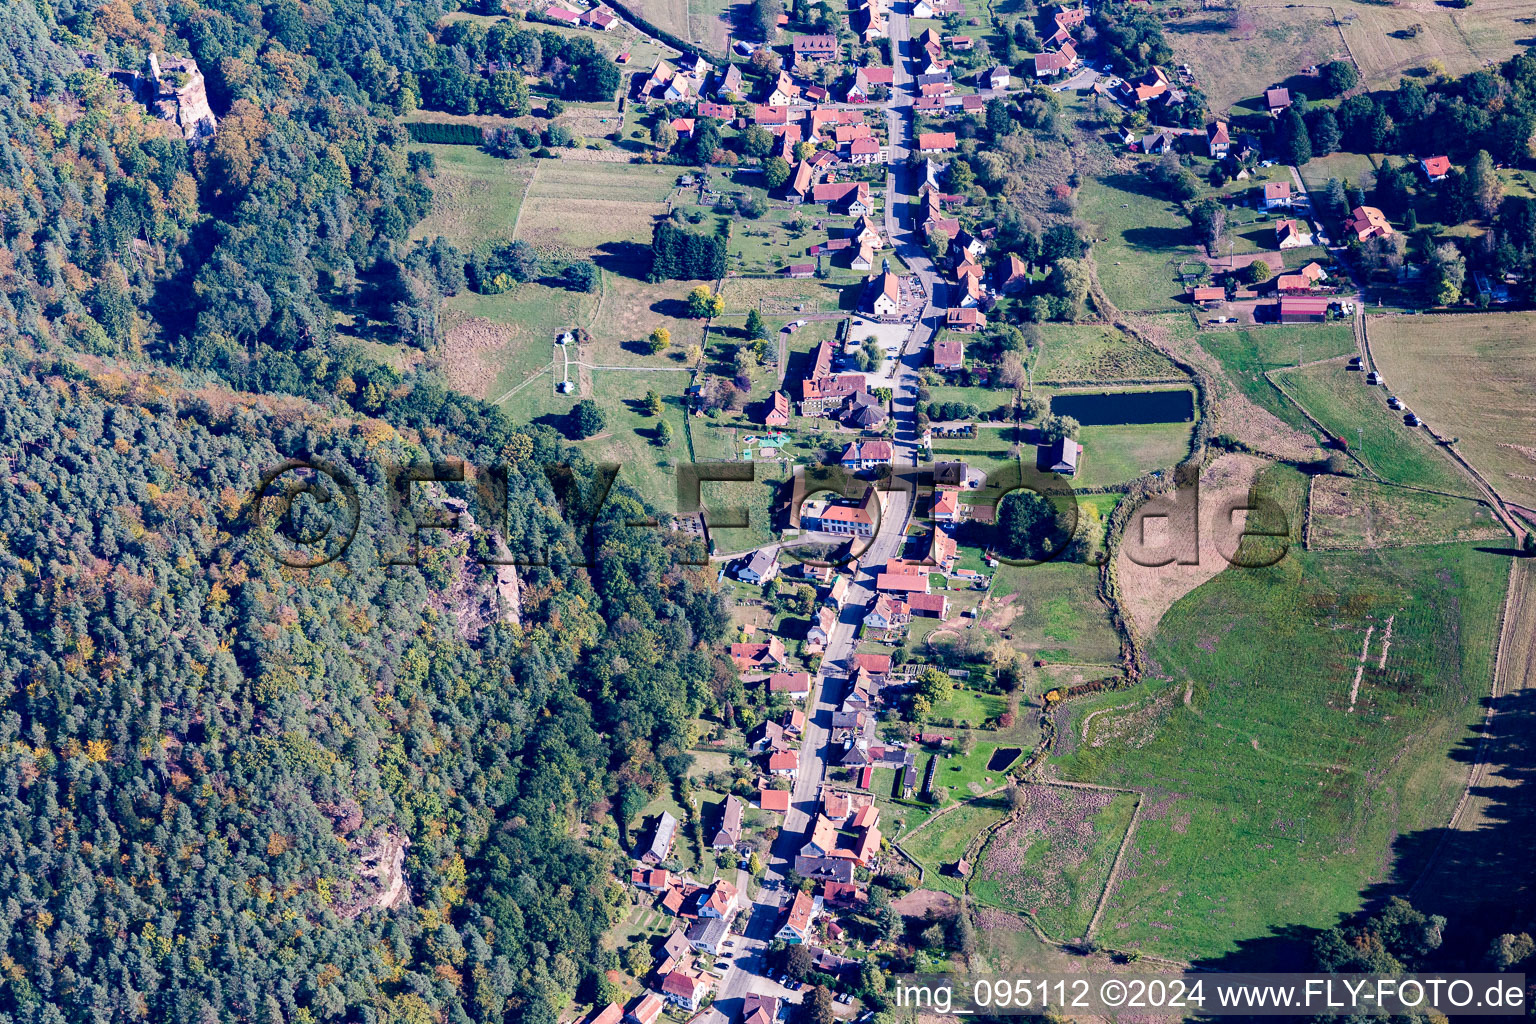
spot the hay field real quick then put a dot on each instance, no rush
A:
(579, 207)
(1470, 377)
(1463, 40)
(1349, 512)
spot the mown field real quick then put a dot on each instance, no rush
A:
(1472, 378)
(1053, 860)
(1288, 747)
(1353, 410)
(1119, 453)
(1146, 238)
(1051, 612)
(1350, 512)
(1247, 354)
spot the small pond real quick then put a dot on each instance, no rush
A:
(1002, 757)
(1172, 406)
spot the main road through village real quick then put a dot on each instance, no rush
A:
(747, 972)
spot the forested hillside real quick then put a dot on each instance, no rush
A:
(210, 763)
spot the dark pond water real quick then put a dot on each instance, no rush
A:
(1127, 407)
(1002, 757)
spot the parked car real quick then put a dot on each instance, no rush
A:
(1394, 402)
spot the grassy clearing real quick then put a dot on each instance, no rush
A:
(1272, 785)
(944, 839)
(1358, 413)
(711, 22)
(1118, 454)
(475, 196)
(1247, 354)
(1355, 168)
(671, 15)
(1238, 54)
(504, 339)
(1470, 377)
(1053, 861)
(1145, 238)
(1094, 353)
(628, 309)
(1348, 512)
(1051, 612)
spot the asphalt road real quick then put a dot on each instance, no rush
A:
(747, 971)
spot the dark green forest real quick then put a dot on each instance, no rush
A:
(209, 760)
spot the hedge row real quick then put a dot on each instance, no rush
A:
(445, 134)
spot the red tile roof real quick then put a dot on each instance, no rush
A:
(773, 799)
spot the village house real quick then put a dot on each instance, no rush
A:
(857, 519)
(1290, 234)
(730, 87)
(824, 868)
(850, 197)
(865, 151)
(946, 505)
(598, 19)
(799, 918)
(651, 880)
(888, 612)
(758, 656)
(613, 1013)
(797, 685)
(1049, 65)
(784, 91)
(685, 988)
(708, 935)
(1435, 168)
(563, 15)
(646, 1010)
(759, 567)
(776, 410)
(1367, 222)
(776, 800)
(996, 78)
(729, 833)
(784, 764)
(1012, 274)
(822, 623)
(866, 79)
(767, 736)
(958, 318)
(1218, 142)
(818, 47)
(759, 1009)
(1276, 100)
(1062, 456)
(661, 840)
(866, 455)
(942, 549)
(1209, 295)
(936, 142)
(1277, 194)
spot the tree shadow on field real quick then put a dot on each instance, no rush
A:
(627, 259)
(1157, 238)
